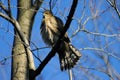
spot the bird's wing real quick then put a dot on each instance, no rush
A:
(61, 27)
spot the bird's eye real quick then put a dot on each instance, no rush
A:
(46, 13)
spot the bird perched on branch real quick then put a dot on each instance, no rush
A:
(51, 29)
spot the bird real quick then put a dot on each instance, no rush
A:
(50, 29)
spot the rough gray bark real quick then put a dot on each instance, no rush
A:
(23, 63)
(19, 63)
(20, 68)
(22, 58)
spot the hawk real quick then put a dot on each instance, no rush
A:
(51, 29)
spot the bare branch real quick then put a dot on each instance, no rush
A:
(100, 34)
(102, 50)
(70, 75)
(37, 4)
(52, 3)
(8, 57)
(22, 37)
(3, 7)
(98, 70)
(9, 9)
(93, 33)
(113, 4)
(6, 17)
(36, 48)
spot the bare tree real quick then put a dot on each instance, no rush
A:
(22, 64)
(22, 59)
(94, 30)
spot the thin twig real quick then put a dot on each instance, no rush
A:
(100, 34)
(102, 50)
(113, 4)
(50, 4)
(98, 70)
(36, 48)
(8, 57)
(70, 74)
(9, 9)
(3, 7)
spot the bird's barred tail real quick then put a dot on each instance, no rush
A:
(68, 55)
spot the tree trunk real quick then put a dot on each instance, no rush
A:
(20, 61)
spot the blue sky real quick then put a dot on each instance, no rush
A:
(107, 23)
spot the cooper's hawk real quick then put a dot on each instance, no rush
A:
(51, 29)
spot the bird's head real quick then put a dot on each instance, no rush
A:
(47, 13)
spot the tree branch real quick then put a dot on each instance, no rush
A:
(102, 50)
(17, 27)
(102, 71)
(3, 7)
(22, 37)
(100, 34)
(113, 4)
(94, 33)
(9, 9)
(2, 61)
(37, 4)
(6, 17)
(70, 75)
(55, 48)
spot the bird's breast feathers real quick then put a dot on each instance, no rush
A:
(49, 31)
